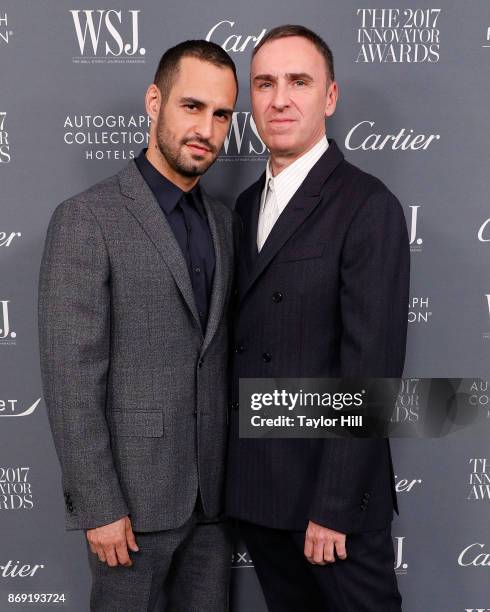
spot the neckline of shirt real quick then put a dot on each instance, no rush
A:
(287, 182)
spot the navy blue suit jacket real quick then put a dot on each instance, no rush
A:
(326, 297)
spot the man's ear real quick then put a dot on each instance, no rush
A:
(332, 97)
(153, 101)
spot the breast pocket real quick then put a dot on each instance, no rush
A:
(298, 252)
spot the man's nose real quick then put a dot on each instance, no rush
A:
(204, 127)
(281, 96)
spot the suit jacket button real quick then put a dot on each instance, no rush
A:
(277, 297)
(239, 349)
(235, 405)
(363, 506)
(266, 357)
(366, 496)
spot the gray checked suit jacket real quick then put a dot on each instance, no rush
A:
(136, 392)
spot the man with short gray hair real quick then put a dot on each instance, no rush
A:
(323, 293)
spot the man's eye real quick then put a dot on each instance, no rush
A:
(264, 85)
(299, 82)
(191, 106)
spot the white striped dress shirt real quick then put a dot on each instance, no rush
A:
(278, 190)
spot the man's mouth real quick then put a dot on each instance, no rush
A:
(198, 148)
(281, 120)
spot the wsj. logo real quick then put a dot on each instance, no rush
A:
(4, 140)
(477, 610)
(15, 489)
(5, 33)
(483, 232)
(407, 402)
(6, 336)
(479, 479)
(13, 569)
(9, 408)
(243, 141)
(105, 27)
(400, 566)
(234, 42)
(415, 241)
(470, 556)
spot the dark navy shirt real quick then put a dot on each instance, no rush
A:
(186, 216)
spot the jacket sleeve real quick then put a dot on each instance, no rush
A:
(74, 342)
(375, 277)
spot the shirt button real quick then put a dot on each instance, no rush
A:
(197, 270)
(277, 297)
(266, 357)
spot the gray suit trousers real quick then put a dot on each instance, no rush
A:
(190, 564)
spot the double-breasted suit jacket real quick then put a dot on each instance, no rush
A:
(327, 296)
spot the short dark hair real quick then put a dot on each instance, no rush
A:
(285, 31)
(168, 67)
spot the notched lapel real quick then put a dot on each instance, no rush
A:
(141, 202)
(248, 243)
(221, 276)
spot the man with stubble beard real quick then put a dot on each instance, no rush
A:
(133, 298)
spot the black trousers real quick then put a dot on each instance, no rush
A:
(364, 582)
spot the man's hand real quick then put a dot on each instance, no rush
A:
(320, 543)
(111, 542)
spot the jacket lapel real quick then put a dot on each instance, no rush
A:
(252, 222)
(250, 218)
(301, 205)
(144, 207)
(221, 272)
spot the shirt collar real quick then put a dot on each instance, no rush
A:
(287, 182)
(166, 193)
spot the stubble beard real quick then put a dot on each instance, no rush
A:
(174, 154)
